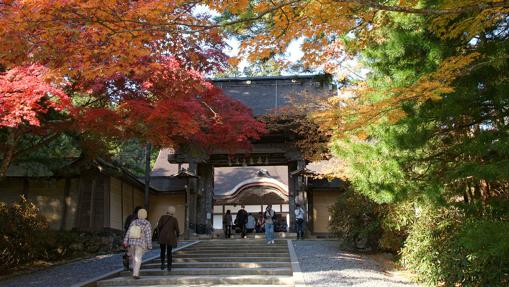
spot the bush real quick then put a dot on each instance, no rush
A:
(446, 246)
(396, 220)
(22, 231)
(26, 238)
(483, 255)
(422, 251)
(355, 219)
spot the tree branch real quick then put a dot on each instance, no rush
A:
(41, 142)
(429, 11)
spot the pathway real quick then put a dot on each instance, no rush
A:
(323, 264)
(72, 273)
(230, 262)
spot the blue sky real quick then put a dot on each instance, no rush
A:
(293, 53)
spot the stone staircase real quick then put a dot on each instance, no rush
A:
(219, 234)
(218, 262)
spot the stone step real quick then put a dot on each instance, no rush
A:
(240, 248)
(265, 251)
(237, 248)
(257, 236)
(199, 280)
(246, 264)
(233, 246)
(243, 262)
(215, 285)
(221, 252)
(238, 241)
(206, 255)
(213, 271)
(230, 259)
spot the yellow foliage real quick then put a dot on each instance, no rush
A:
(362, 135)
(320, 22)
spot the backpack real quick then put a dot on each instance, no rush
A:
(135, 232)
(241, 217)
(267, 215)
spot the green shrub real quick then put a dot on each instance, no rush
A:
(22, 231)
(355, 219)
(396, 220)
(424, 245)
(363, 224)
(482, 254)
(446, 246)
(25, 238)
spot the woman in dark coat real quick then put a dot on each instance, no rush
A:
(168, 228)
(227, 224)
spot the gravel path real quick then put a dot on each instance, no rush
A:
(72, 273)
(323, 264)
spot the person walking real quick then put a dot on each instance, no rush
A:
(299, 221)
(138, 239)
(227, 224)
(168, 228)
(259, 223)
(251, 223)
(129, 219)
(241, 221)
(269, 217)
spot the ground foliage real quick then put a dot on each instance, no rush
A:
(356, 220)
(451, 246)
(363, 224)
(26, 238)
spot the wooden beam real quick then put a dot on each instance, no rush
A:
(92, 205)
(65, 202)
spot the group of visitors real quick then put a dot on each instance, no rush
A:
(266, 221)
(138, 232)
(138, 238)
(245, 221)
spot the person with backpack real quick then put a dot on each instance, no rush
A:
(270, 219)
(138, 239)
(131, 217)
(168, 228)
(241, 221)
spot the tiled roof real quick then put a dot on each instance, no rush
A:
(263, 95)
(225, 178)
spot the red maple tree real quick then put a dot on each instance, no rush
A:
(132, 69)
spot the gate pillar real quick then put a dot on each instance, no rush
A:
(293, 189)
(205, 198)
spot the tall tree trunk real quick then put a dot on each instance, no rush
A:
(10, 148)
(65, 202)
(148, 151)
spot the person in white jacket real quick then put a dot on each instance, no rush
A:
(299, 221)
